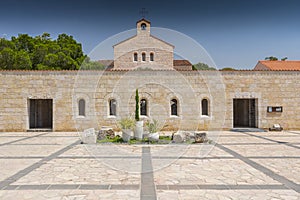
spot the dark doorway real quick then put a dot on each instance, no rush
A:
(40, 113)
(245, 113)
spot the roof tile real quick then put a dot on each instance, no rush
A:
(278, 65)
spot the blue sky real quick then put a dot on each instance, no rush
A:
(236, 33)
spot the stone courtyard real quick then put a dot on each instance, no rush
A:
(240, 164)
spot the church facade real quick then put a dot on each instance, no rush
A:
(170, 91)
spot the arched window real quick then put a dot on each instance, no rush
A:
(143, 26)
(204, 106)
(174, 107)
(143, 57)
(81, 107)
(151, 56)
(112, 107)
(135, 57)
(143, 107)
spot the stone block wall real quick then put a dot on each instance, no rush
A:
(66, 88)
(123, 53)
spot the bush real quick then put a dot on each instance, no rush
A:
(127, 123)
(152, 127)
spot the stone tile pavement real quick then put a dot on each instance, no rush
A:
(238, 164)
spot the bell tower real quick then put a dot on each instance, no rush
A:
(143, 27)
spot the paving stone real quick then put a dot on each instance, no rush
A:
(254, 165)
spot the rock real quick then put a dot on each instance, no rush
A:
(177, 138)
(200, 137)
(88, 136)
(106, 133)
(182, 136)
(190, 137)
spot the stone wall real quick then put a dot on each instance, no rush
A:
(124, 51)
(158, 88)
(270, 88)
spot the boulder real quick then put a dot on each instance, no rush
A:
(105, 133)
(88, 136)
(182, 136)
(200, 137)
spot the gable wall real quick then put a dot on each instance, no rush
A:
(123, 52)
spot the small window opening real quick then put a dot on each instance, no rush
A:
(112, 107)
(143, 107)
(204, 105)
(135, 57)
(174, 107)
(151, 56)
(81, 105)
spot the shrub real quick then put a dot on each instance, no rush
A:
(127, 123)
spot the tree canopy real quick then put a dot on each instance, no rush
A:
(41, 53)
(273, 58)
(202, 66)
(227, 69)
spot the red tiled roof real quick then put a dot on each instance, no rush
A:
(278, 65)
(181, 63)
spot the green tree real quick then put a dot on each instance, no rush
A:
(66, 62)
(87, 64)
(227, 69)
(271, 58)
(22, 61)
(23, 42)
(202, 66)
(7, 58)
(43, 53)
(51, 60)
(137, 105)
(284, 59)
(38, 55)
(6, 44)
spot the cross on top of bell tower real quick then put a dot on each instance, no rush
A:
(143, 25)
(143, 12)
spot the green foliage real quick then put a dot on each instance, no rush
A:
(227, 69)
(202, 66)
(152, 127)
(41, 53)
(271, 58)
(87, 64)
(163, 137)
(22, 60)
(127, 123)
(137, 105)
(116, 139)
(7, 58)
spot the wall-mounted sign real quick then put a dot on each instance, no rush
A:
(274, 109)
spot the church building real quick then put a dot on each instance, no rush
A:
(170, 91)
